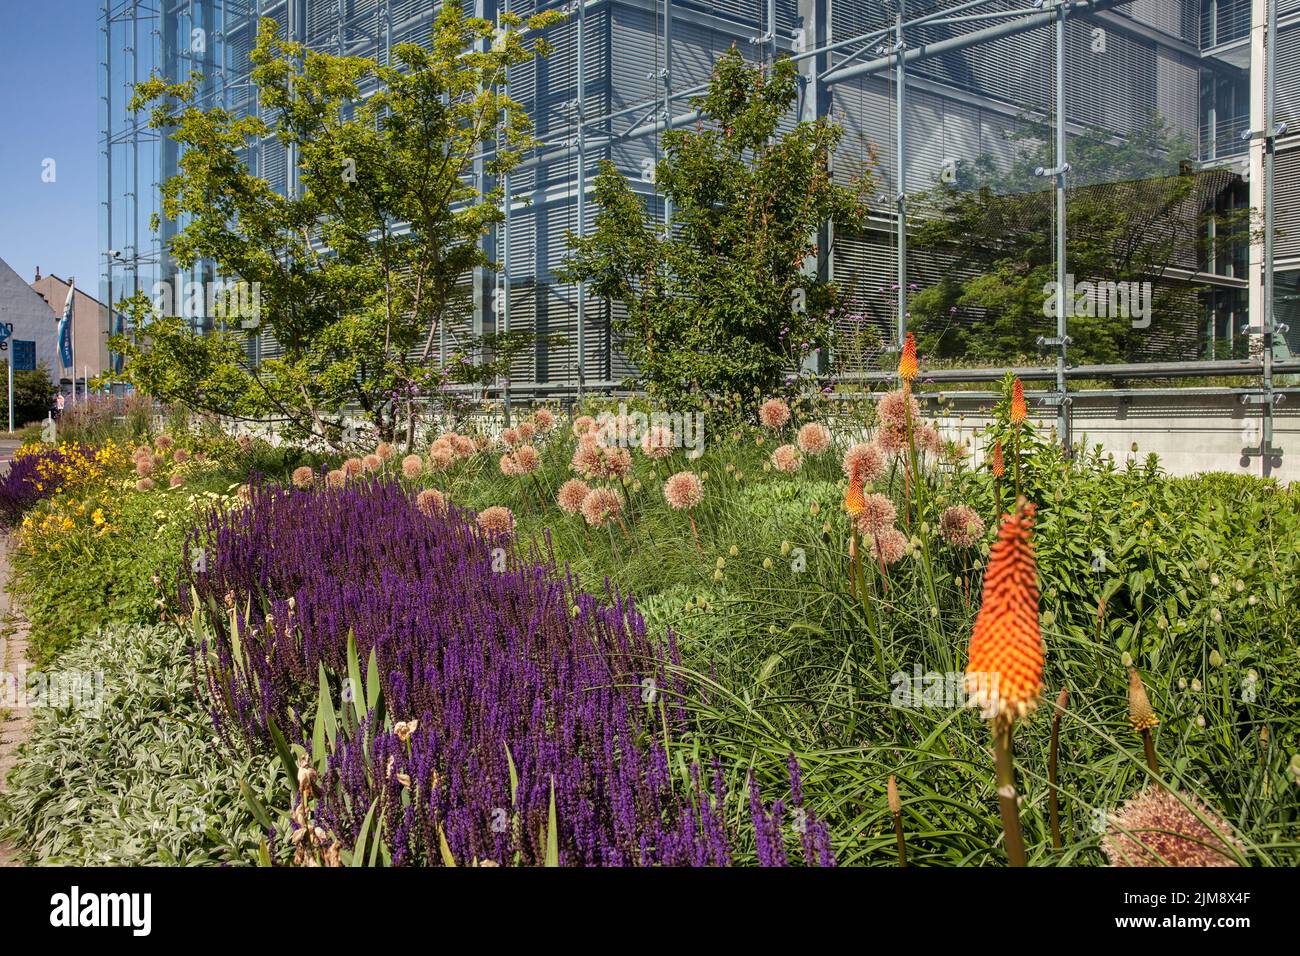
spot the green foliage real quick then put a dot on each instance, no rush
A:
(138, 781)
(722, 303)
(354, 303)
(33, 394)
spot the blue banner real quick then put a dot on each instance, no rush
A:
(65, 331)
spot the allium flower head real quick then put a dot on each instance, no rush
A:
(907, 367)
(774, 413)
(601, 506)
(144, 484)
(144, 466)
(996, 464)
(526, 431)
(1140, 712)
(894, 408)
(463, 446)
(928, 438)
(511, 437)
(508, 466)
(163, 442)
(658, 442)
(614, 463)
(1156, 828)
(571, 494)
(961, 526)
(1019, 412)
(352, 466)
(582, 425)
(587, 457)
(1004, 675)
(889, 545)
(385, 450)
(303, 477)
(176, 481)
(497, 520)
(684, 490)
(527, 459)
(431, 501)
(866, 460)
(877, 514)
(441, 455)
(336, 478)
(371, 462)
(787, 459)
(544, 419)
(412, 465)
(814, 439)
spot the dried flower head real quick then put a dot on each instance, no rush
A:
(877, 514)
(336, 478)
(1140, 712)
(352, 467)
(441, 455)
(890, 546)
(431, 501)
(1004, 675)
(571, 494)
(774, 413)
(412, 465)
(385, 450)
(894, 408)
(1159, 828)
(601, 506)
(684, 490)
(864, 458)
(787, 459)
(658, 442)
(961, 526)
(814, 439)
(303, 477)
(497, 519)
(371, 463)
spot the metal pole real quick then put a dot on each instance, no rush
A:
(666, 75)
(900, 119)
(1062, 167)
(1270, 147)
(581, 107)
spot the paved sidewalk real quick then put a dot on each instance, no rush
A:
(13, 659)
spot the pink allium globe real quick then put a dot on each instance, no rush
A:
(657, 442)
(303, 477)
(889, 545)
(1156, 828)
(814, 439)
(371, 463)
(787, 458)
(893, 408)
(774, 413)
(961, 526)
(866, 459)
(544, 419)
(601, 506)
(497, 520)
(352, 467)
(336, 478)
(684, 490)
(571, 494)
(412, 465)
(431, 501)
(877, 514)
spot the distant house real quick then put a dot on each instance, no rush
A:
(89, 326)
(27, 314)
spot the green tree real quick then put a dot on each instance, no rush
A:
(357, 267)
(33, 394)
(722, 303)
(1133, 212)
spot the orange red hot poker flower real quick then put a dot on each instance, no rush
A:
(1018, 410)
(854, 500)
(907, 367)
(1004, 676)
(998, 466)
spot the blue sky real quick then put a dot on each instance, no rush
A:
(48, 70)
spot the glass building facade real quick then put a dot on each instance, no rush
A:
(1147, 122)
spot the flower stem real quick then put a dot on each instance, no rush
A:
(1006, 783)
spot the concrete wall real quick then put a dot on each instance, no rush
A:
(31, 318)
(1192, 431)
